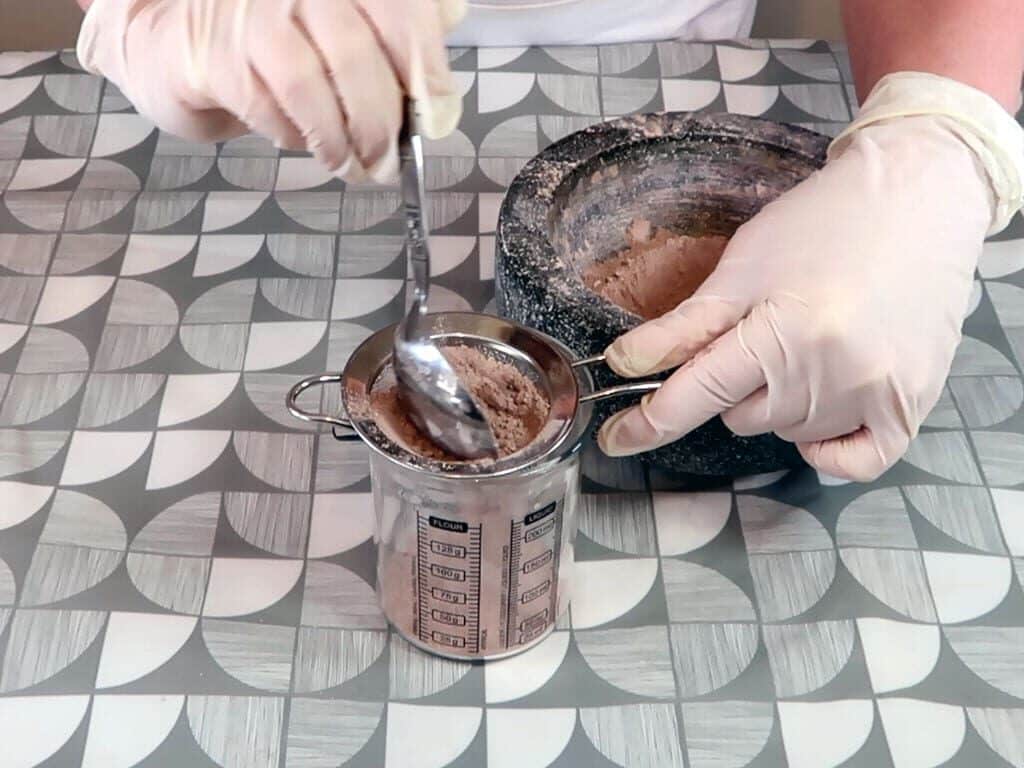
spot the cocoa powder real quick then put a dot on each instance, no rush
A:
(513, 404)
(656, 270)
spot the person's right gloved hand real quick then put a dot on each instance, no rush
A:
(326, 76)
(834, 314)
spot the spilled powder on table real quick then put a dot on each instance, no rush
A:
(656, 270)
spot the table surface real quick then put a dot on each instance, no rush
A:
(185, 571)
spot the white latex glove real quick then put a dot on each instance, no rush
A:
(326, 76)
(834, 314)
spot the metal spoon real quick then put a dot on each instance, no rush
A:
(437, 402)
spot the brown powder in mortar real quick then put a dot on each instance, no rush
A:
(656, 270)
(513, 404)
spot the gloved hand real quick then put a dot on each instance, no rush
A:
(326, 76)
(834, 314)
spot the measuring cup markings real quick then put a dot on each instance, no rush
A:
(534, 592)
(533, 560)
(449, 584)
(448, 589)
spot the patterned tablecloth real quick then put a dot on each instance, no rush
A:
(185, 572)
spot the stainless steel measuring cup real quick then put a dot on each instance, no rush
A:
(474, 558)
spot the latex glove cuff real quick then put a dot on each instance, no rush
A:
(977, 119)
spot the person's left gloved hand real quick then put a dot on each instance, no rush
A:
(834, 314)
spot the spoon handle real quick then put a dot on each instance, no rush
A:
(410, 153)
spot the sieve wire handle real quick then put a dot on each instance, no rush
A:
(632, 388)
(292, 402)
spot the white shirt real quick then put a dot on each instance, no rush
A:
(572, 22)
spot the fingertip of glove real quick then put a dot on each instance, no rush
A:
(351, 171)
(452, 12)
(607, 436)
(628, 359)
(440, 114)
(385, 169)
(619, 362)
(837, 458)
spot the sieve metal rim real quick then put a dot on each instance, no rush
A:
(569, 402)
(371, 357)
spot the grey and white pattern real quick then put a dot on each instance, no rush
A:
(186, 574)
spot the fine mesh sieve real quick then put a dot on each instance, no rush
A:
(546, 361)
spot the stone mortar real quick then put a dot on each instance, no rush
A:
(573, 202)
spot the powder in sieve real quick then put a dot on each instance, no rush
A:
(656, 270)
(515, 407)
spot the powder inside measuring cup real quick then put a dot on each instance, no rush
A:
(656, 270)
(515, 407)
